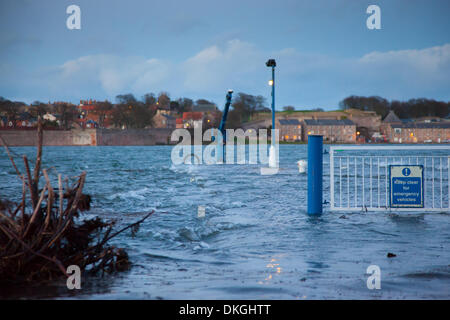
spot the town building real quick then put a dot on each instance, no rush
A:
(179, 123)
(92, 115)
(3, 121)
(385, 126)
(332, 130)
(162, 109)
(163, 120)
(290, 130)
(211, 115)
(365, 121)
(26, 120)
(419, 132)
(424, 130)
(192, 120)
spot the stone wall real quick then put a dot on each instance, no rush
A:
(51, 137)
(88, 137)
(132, 137)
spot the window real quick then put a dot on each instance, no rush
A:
(398, 130)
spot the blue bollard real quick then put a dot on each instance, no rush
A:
(315, 176)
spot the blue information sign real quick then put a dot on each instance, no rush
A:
(406, 186)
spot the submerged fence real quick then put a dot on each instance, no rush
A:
(360, 178)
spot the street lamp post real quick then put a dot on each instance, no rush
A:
(272, 156)
(271, 63)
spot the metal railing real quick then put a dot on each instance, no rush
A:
(359, 176)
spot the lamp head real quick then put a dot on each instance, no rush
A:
(271, 63)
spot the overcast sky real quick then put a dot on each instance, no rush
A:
(200, 49)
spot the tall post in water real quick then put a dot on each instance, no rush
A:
(315, 174)
(221, 137)
(273, 98)
(272, 157)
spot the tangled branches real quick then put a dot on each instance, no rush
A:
(41, 242)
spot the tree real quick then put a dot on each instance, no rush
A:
(149, 99)
(163, 100)
(234, 119)
(413, 108)
(68, 113)
(185, 104)
(120, 117)
(289, 109)
(39, 108)
(11, 109)
(126, 98)
(246, 105)
(102, 110)
(131, 114)
(374, 103)
(216, 118)
(203, 101)
(174, 106)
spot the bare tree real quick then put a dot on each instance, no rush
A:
(11, 109)
(68, 113)
(288, 108)
(163, 100)
(149, 99)
(39, 108)
(102, 110)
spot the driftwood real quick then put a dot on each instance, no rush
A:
(41, 242)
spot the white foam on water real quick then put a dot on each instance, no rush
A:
(136, 194)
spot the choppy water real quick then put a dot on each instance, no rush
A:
(256, 240)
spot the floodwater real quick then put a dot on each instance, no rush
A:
(256, 240)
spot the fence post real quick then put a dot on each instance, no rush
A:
(315, 176)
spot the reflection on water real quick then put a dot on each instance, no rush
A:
(255, 240)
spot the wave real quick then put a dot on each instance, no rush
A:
(136, 194)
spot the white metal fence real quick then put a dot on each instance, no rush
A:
(359, 177)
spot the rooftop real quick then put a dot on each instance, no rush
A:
(293, 122)
(169, 117)
(329, 122)
(204, 108)
(422, 125)
(192, 115)
(391, 117)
